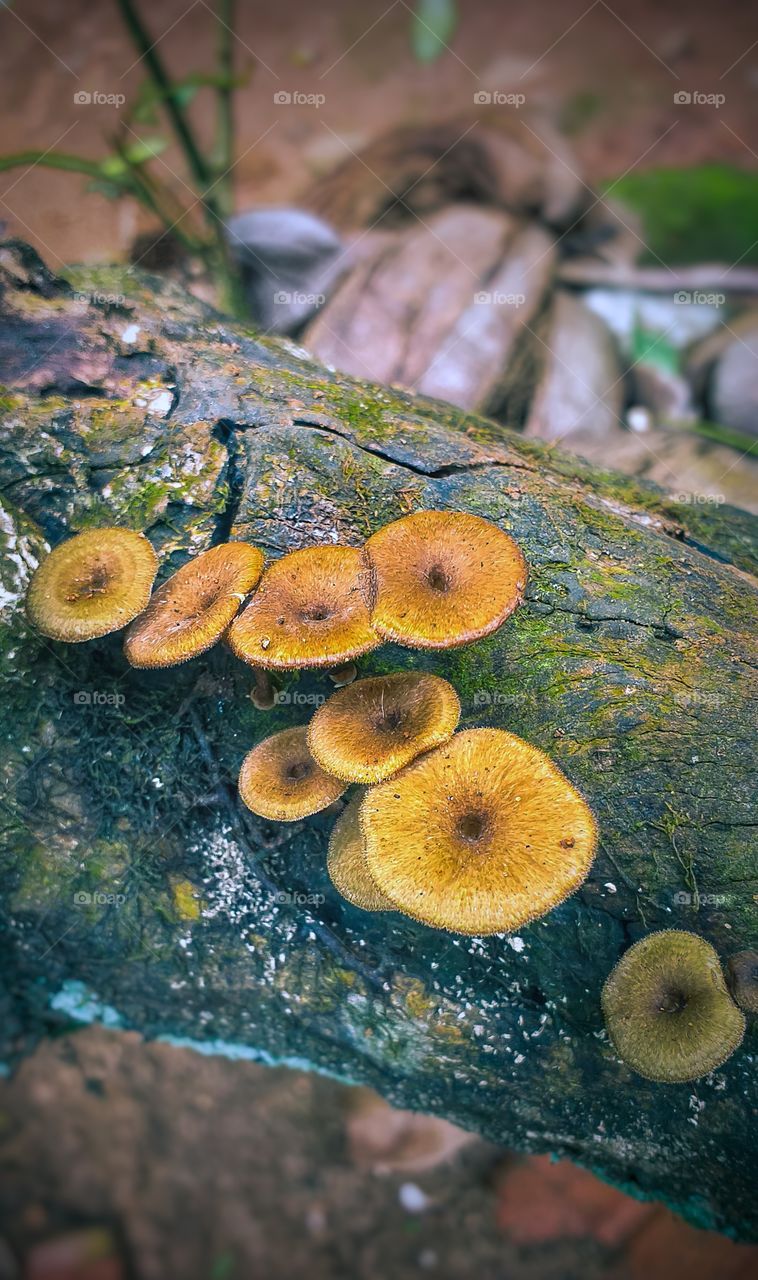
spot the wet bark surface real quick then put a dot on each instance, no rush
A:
(135, 891)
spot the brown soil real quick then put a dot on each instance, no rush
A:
(608, 72)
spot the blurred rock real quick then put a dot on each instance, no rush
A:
(413, 315)
(289, 259)
(734, 385)
(580, 389)
(491, 157)
(387, 1140)
(664, 392)
(468, 370)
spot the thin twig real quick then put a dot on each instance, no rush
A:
(225, 99)
(146, 49)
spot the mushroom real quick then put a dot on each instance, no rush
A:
(372, 728)
(309, 611)
(479, 836)
(193, 608)
(667, 1009)
(279, 779)
(347, 866)
(440, 579)
(742, 978)
(92, 584)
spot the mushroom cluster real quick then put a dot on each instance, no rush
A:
(476, 832)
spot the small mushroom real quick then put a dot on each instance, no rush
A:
(667, 1009)
(742, 978)
(347, 866)
(340, 676)
(191, 610)
(440, 579)
(479, 836)
(92, 584)
(372, 728)
(280, 779)
(309, 611)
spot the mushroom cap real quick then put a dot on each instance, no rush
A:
(742, 979)
(440, 579)
(370, 729)
(347, 866)
(279, 779)
(479, 836)
(667, 1009)
(309, 611)
(193, 608)
(92, 584)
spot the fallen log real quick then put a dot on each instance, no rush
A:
(136, 892)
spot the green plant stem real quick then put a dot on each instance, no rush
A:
(145, 191)
(225, 99)
(56, 160)
(146, 49)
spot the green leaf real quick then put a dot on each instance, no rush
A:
(144, 149)
(652, 348)
(433, 25)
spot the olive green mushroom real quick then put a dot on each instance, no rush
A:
(667, 1009)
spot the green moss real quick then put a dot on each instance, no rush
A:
(701, 214)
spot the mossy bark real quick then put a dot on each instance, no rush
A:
(134, 892)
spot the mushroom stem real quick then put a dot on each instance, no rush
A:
(263, 694)
(343, 675)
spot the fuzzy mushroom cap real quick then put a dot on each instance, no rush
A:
(479, 836)
(369, 730)
(280, 779)
(440, 579)
(347, 866)
(667, 1009)
(309, 611)
(92, 584)
(742, 977)
(193, 608)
